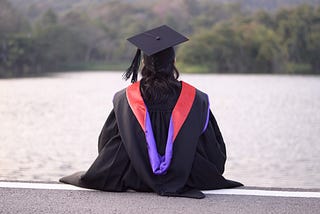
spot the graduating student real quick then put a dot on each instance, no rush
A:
(161, 135)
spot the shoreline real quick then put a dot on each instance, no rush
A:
(54, 73)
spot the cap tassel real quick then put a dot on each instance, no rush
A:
(134, 67)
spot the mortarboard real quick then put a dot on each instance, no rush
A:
(152, 42)
(157, 39)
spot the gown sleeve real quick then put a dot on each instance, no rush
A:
(211, 145)
(209, 160)
(111, 164)
(109, 131)
(112, 169)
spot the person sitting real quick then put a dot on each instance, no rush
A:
(161, 135)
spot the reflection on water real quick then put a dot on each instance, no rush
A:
(271, 124)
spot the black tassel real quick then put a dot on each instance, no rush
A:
(134, 67)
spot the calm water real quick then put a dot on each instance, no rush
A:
(271, 125)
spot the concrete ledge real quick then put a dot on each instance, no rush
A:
(30, 197)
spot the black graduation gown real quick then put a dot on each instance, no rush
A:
(198, 149)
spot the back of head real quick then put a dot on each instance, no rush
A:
(159, 76)
(161, 62)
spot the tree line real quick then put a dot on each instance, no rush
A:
(35, 7)
(284, 42)
(223, 37)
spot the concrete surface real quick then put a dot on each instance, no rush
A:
(69, 200)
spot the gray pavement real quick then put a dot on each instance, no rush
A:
(18, 200)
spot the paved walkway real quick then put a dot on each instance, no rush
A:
(23, 197)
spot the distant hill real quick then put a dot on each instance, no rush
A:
(34, 7)
(58, 6)
(270, 5)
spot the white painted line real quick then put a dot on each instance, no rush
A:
(263, 193)
(23, 185)
(209, 192)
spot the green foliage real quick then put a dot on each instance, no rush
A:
(223, 37)
(284, 42)
(235, 47)
(299, 30)
(67, 5)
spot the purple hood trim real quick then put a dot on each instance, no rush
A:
(207, 119)
(159, 164)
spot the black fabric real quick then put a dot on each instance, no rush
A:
(157, 39)
(197, 163)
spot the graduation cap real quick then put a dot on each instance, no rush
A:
(152, 42)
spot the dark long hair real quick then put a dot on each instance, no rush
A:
(159, 77)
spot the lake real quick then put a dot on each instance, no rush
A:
(49, 126)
